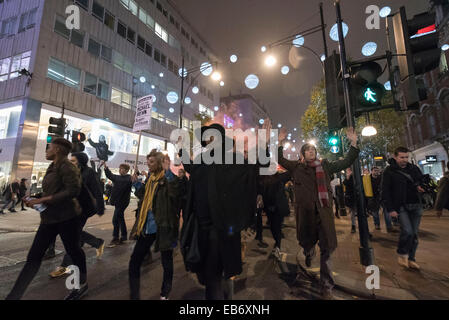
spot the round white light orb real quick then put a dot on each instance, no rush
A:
(285, 70)
(172, 97)
(384, 12)
(369, 49)
(252, 81)
(187, 100)
(195, 90)
(233, 58)
(298, 41)
(182, 72)
(206, 69)
(334, 32)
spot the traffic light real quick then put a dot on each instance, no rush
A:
(334, 142)
(418, 52)
(336, 111)
(56, 129)
(366, 91)
(77, 141)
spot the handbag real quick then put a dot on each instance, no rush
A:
(189, 244)
(13, 194)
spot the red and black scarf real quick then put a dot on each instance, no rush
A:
(323, 194)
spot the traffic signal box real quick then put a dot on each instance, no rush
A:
(336, 111)
(418, 52)
(56, 129)
(77, 141)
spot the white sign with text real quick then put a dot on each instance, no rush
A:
(143, 114)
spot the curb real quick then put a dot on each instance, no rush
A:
(15, 229)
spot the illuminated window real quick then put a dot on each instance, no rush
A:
(64, 73)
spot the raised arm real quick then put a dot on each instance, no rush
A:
(109, 174)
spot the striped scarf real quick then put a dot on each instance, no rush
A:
(147, 204)
(323, 194)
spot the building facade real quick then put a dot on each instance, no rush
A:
(428, 128)
(123, 50)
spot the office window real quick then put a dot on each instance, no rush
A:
(150, 22)
(121, 29)
(121, 98)
(164, 60)
(128, 67)
(148, 49)
(133, 7)
(103, 89)
(98, 11)
(19, 62)
(60, 27)
(64, 73)
(125, 3)
(161, 32)
(8, 27)
(143, 15)
(4, 69)
(106, 53)
(109, 20)
(157, 55)
(126, 100)
(27, 20)
(90, 84)
(118, 60)
(77, 38)
(131, 35)
(94, 47)
(140, 43)
(83, 4)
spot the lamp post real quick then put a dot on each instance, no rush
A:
(183, 74)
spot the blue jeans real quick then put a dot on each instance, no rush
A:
(409, 219)
(387, 218)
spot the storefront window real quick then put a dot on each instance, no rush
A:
(9, 122)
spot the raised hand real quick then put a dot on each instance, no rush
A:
(282, 135)
(352, 136)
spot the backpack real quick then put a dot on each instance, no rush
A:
(87, 201)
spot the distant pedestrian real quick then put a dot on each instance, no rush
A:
(442, 201)
(315, 221)
(11, 195)
(59, 210)
(91, 202)
(372, 187)
(158, 222)
(401, 192)
(120, 198)
(22, 192)
(350, 200)
(334, 183)
(259, 226)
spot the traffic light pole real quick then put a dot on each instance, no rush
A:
(366, 252)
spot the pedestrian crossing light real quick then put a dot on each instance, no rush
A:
(56, 129)
(333, 141)
(370, 95)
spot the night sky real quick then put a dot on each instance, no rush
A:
(241, 27)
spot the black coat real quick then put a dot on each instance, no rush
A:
(232, 193)
(22, 190)
(121, 191)
(90, 181)
(395, 185)
(272, 189)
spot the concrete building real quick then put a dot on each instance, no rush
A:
(428, 128)
(95, 73)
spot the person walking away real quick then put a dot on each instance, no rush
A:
(334, 183)
(442, 201)
(401, 193)
(11, 195)
(350, 201)
(314, 218)
(91, 202)
(22, 192)
(120, 197)
(276, 205)
(372, 186)
(158, 222)
(59, 211)
(259, 226)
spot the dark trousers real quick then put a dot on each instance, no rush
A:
(141, 249)
(259, 226)
(9, 203)
(85, 237)
(119, 223)
(275, 225)
(69, 233)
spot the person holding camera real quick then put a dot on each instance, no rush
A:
(401, 193)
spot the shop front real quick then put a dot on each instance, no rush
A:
(104, 141)
(432, 160)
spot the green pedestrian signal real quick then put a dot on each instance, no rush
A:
(370, 95)
(333, 141)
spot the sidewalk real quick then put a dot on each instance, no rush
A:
(398, 283)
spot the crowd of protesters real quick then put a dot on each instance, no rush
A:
(207, 207)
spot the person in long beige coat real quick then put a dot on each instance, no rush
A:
(313, 209)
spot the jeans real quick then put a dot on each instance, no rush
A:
(353, 216)
(85, 237)
(275, 225)
(387, 218)
(69, 233)
(141, 249)
(375, 214)
(409, 219)
(119, 223)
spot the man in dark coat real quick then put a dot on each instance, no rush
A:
(401, 192)
(442, 201)
(11, 195)
(223, 199)
(120, 197)
(314, 216)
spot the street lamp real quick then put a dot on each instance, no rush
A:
(270, 61)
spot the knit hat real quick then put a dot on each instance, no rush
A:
(82, 158)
